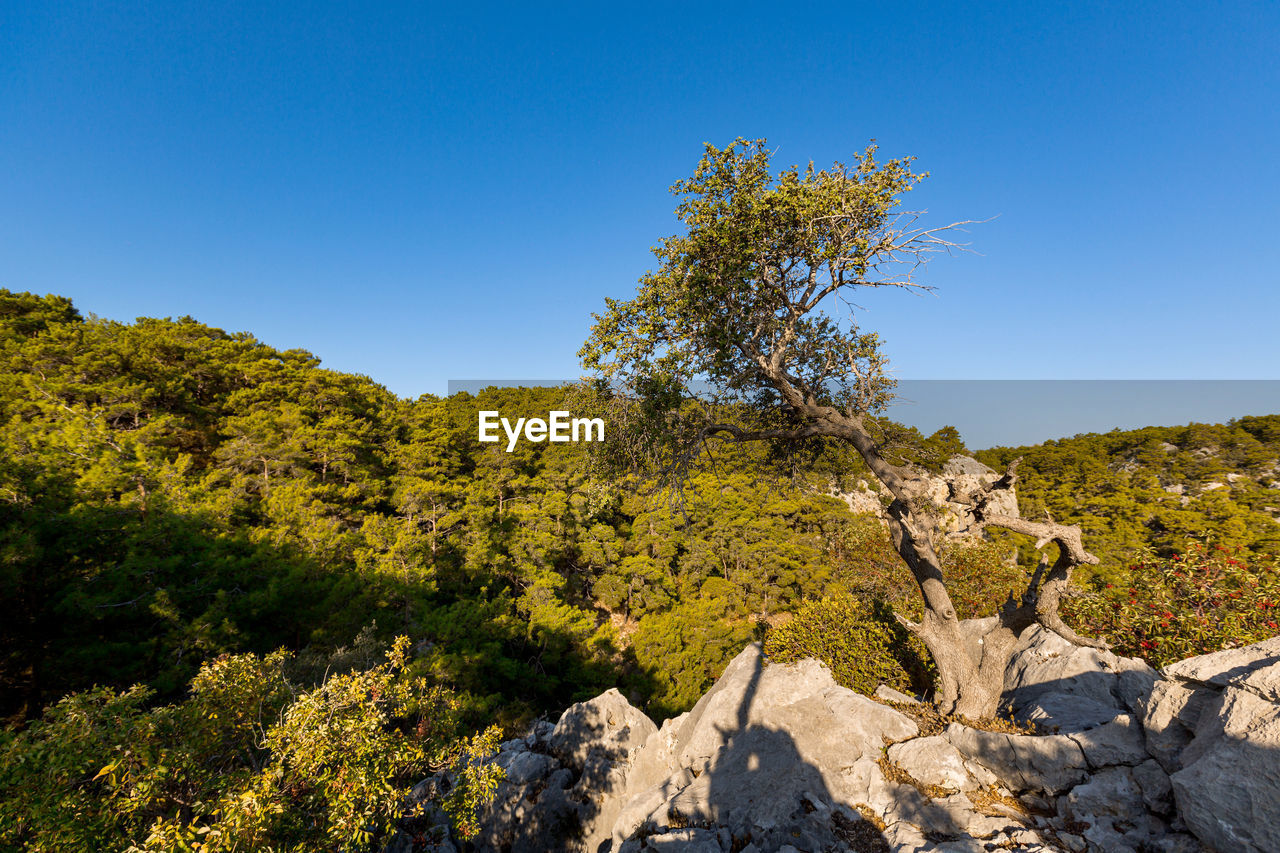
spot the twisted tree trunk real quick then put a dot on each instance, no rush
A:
(971, 654)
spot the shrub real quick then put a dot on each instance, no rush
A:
(685, 649)
(979, 574)
(1164, 609)
(249, 762)
(858, 639)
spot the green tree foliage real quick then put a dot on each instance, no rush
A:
(689, 645)
(249, 762)
(857, 637)
(175, 493)
(1166, 608)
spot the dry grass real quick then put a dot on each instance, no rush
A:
(870, 816)
(932, 721)
(862, 836)
(894, 773)
(990, 801)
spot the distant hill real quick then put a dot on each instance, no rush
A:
(1158, 486)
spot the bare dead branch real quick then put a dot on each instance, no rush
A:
(912, 627)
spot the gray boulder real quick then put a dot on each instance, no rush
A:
(522, 766)
(764, 752)
(607, 726)
(1169, 720)
(1046, 670)
(933, 761)
(1064, 712)
(885, 693)
(1157, 790)
(1119, 742)
(1047, 763)
(1112, 811)
(691, 840)
(1249, 666)
(1228, 792)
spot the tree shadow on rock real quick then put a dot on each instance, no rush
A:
(756, 788)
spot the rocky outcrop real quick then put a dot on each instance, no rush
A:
(1216, 728)
(780, 758)
(772, 758)
(949, 490)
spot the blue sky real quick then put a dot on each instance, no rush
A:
(421, 192)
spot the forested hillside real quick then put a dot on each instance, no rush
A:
(1156, 488)
(173, 492)
(178, 504)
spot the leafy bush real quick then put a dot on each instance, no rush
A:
(859, 641)
(687, 648)
(1164, 609)
(249, 762)
(979, 575)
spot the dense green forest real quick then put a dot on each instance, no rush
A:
(173, 492)
(1158, 487)
(197, 529)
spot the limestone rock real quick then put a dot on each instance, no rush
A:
(1050, 763)
(1045, 664)
(763, 749)
(1134, 684)
(863, 500)
(608, 724)
(1157, 790)
(950, 490)
(530, 815)
(1228, 793)
(961, 477)
(776, 758)
(523, 767)
(1110, 805)
(885, 693)
(1232, 666)
(1065, 712)
(1172, 711)
(1119, 742)
(933, 761)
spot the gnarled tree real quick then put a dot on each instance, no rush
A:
(750, 312)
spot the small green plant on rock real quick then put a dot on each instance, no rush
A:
(858, 640)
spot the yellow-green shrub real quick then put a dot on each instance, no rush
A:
(858, 639)
(249, 762)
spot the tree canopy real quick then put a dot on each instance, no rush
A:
(752, 304)
(755, 299)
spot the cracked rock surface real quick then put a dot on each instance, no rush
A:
(780, 759)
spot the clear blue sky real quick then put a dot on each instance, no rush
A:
(421, 192)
